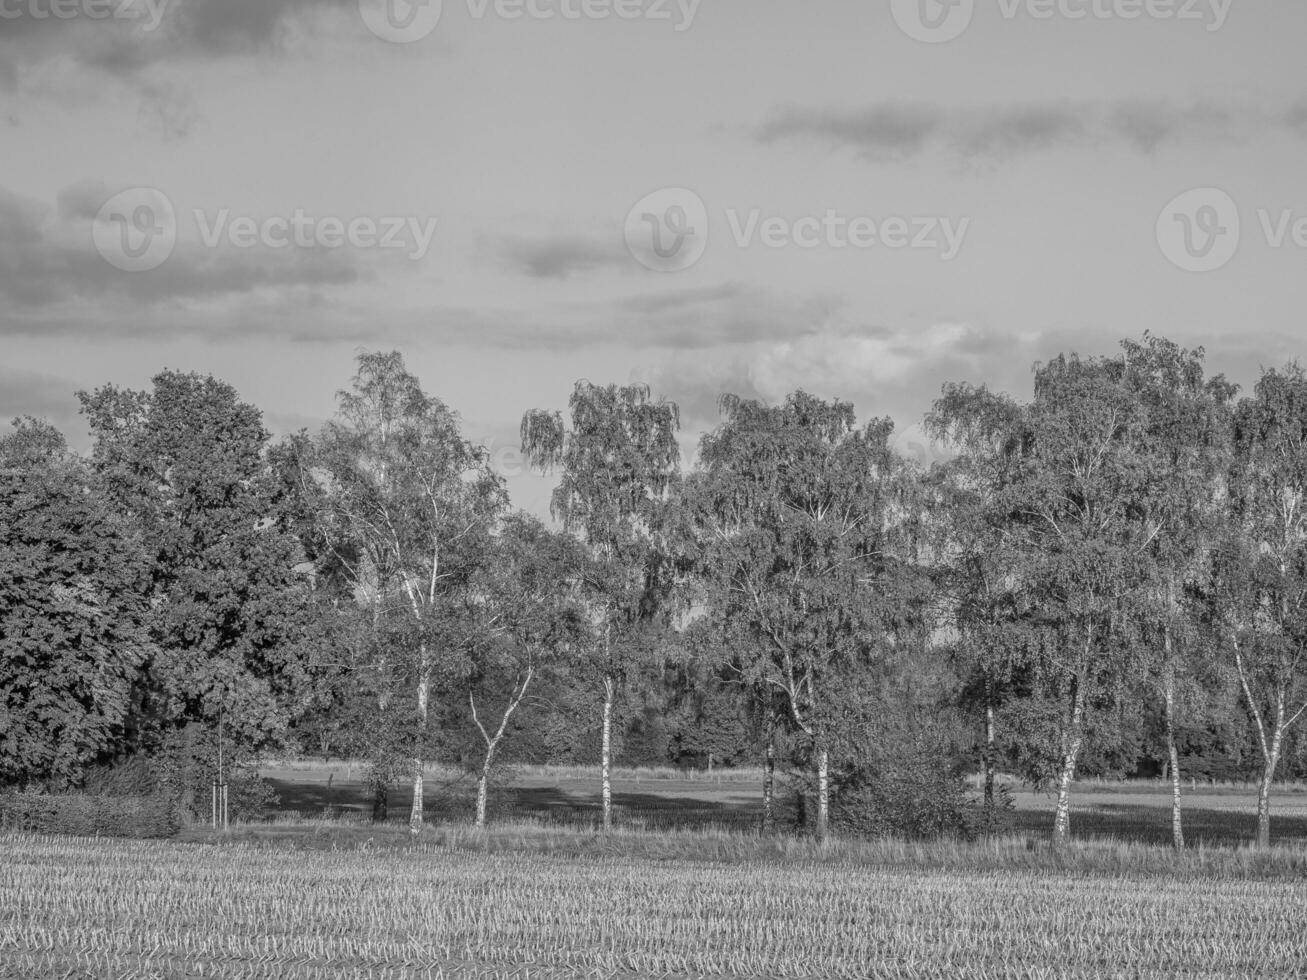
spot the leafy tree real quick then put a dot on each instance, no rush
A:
(185, 463)
(794, 510)
(404, 510)
(535, 585)
(1183, 439)
(619, 462)
(1261, 587)
(74, 605)
(988, 600)
(1083, 541)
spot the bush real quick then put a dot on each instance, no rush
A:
(918, 796)
(86, 815)
(132, 776)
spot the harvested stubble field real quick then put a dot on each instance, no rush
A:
(468, 905)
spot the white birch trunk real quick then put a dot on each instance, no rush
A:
(423, 691)
(492, 741)
(1071, 753)
(607, 752)
(1172, 753)
(823, 794)
(1264, 791)
(989, 748)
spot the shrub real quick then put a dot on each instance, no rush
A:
(918, 796)
(88, 815)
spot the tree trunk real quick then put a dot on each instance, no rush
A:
(492, 741)
(1071, 743)
(380, 802)
(1172, 753)
(610, 686)
(424, 688)
(989, 748)
(1264, 793)
(823, 794)
(482, 784)
(769, 781)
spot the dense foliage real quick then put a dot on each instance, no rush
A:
(1108, 578)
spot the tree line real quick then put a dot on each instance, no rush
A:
(1108, 576)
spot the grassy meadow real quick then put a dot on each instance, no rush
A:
(670, 799)
(685, 887)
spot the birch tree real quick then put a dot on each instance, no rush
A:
(986, 595)
(1184, 442)
(619, 461)
(405, 508)
(1262, 570)
(537, 583)
(1083, 542)
(792, 511)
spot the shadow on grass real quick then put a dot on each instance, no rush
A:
(312, 797)
(570, 806)
(552, 805)
(653, 811)
(1143, 824)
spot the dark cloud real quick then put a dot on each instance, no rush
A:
(562, 256)
(1006, 132)
(897, 130)
(680, 299)
(1295, 118)
(887, 129)
(47, 258)
(48, 56)
(1146, 126)
(168, 109)
(225, 27)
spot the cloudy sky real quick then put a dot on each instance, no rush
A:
(865, 198)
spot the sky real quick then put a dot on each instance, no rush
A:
(865, 199)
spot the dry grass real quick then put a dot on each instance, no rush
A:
(458, 905)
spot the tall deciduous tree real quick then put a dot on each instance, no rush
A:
(986, 594)
(74, 609)
(185, 463)
(1084, 541)
(405, 507)
(619, 460)
(1262, 571)
(793, 509)
(534, 590)
(1183, 441)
